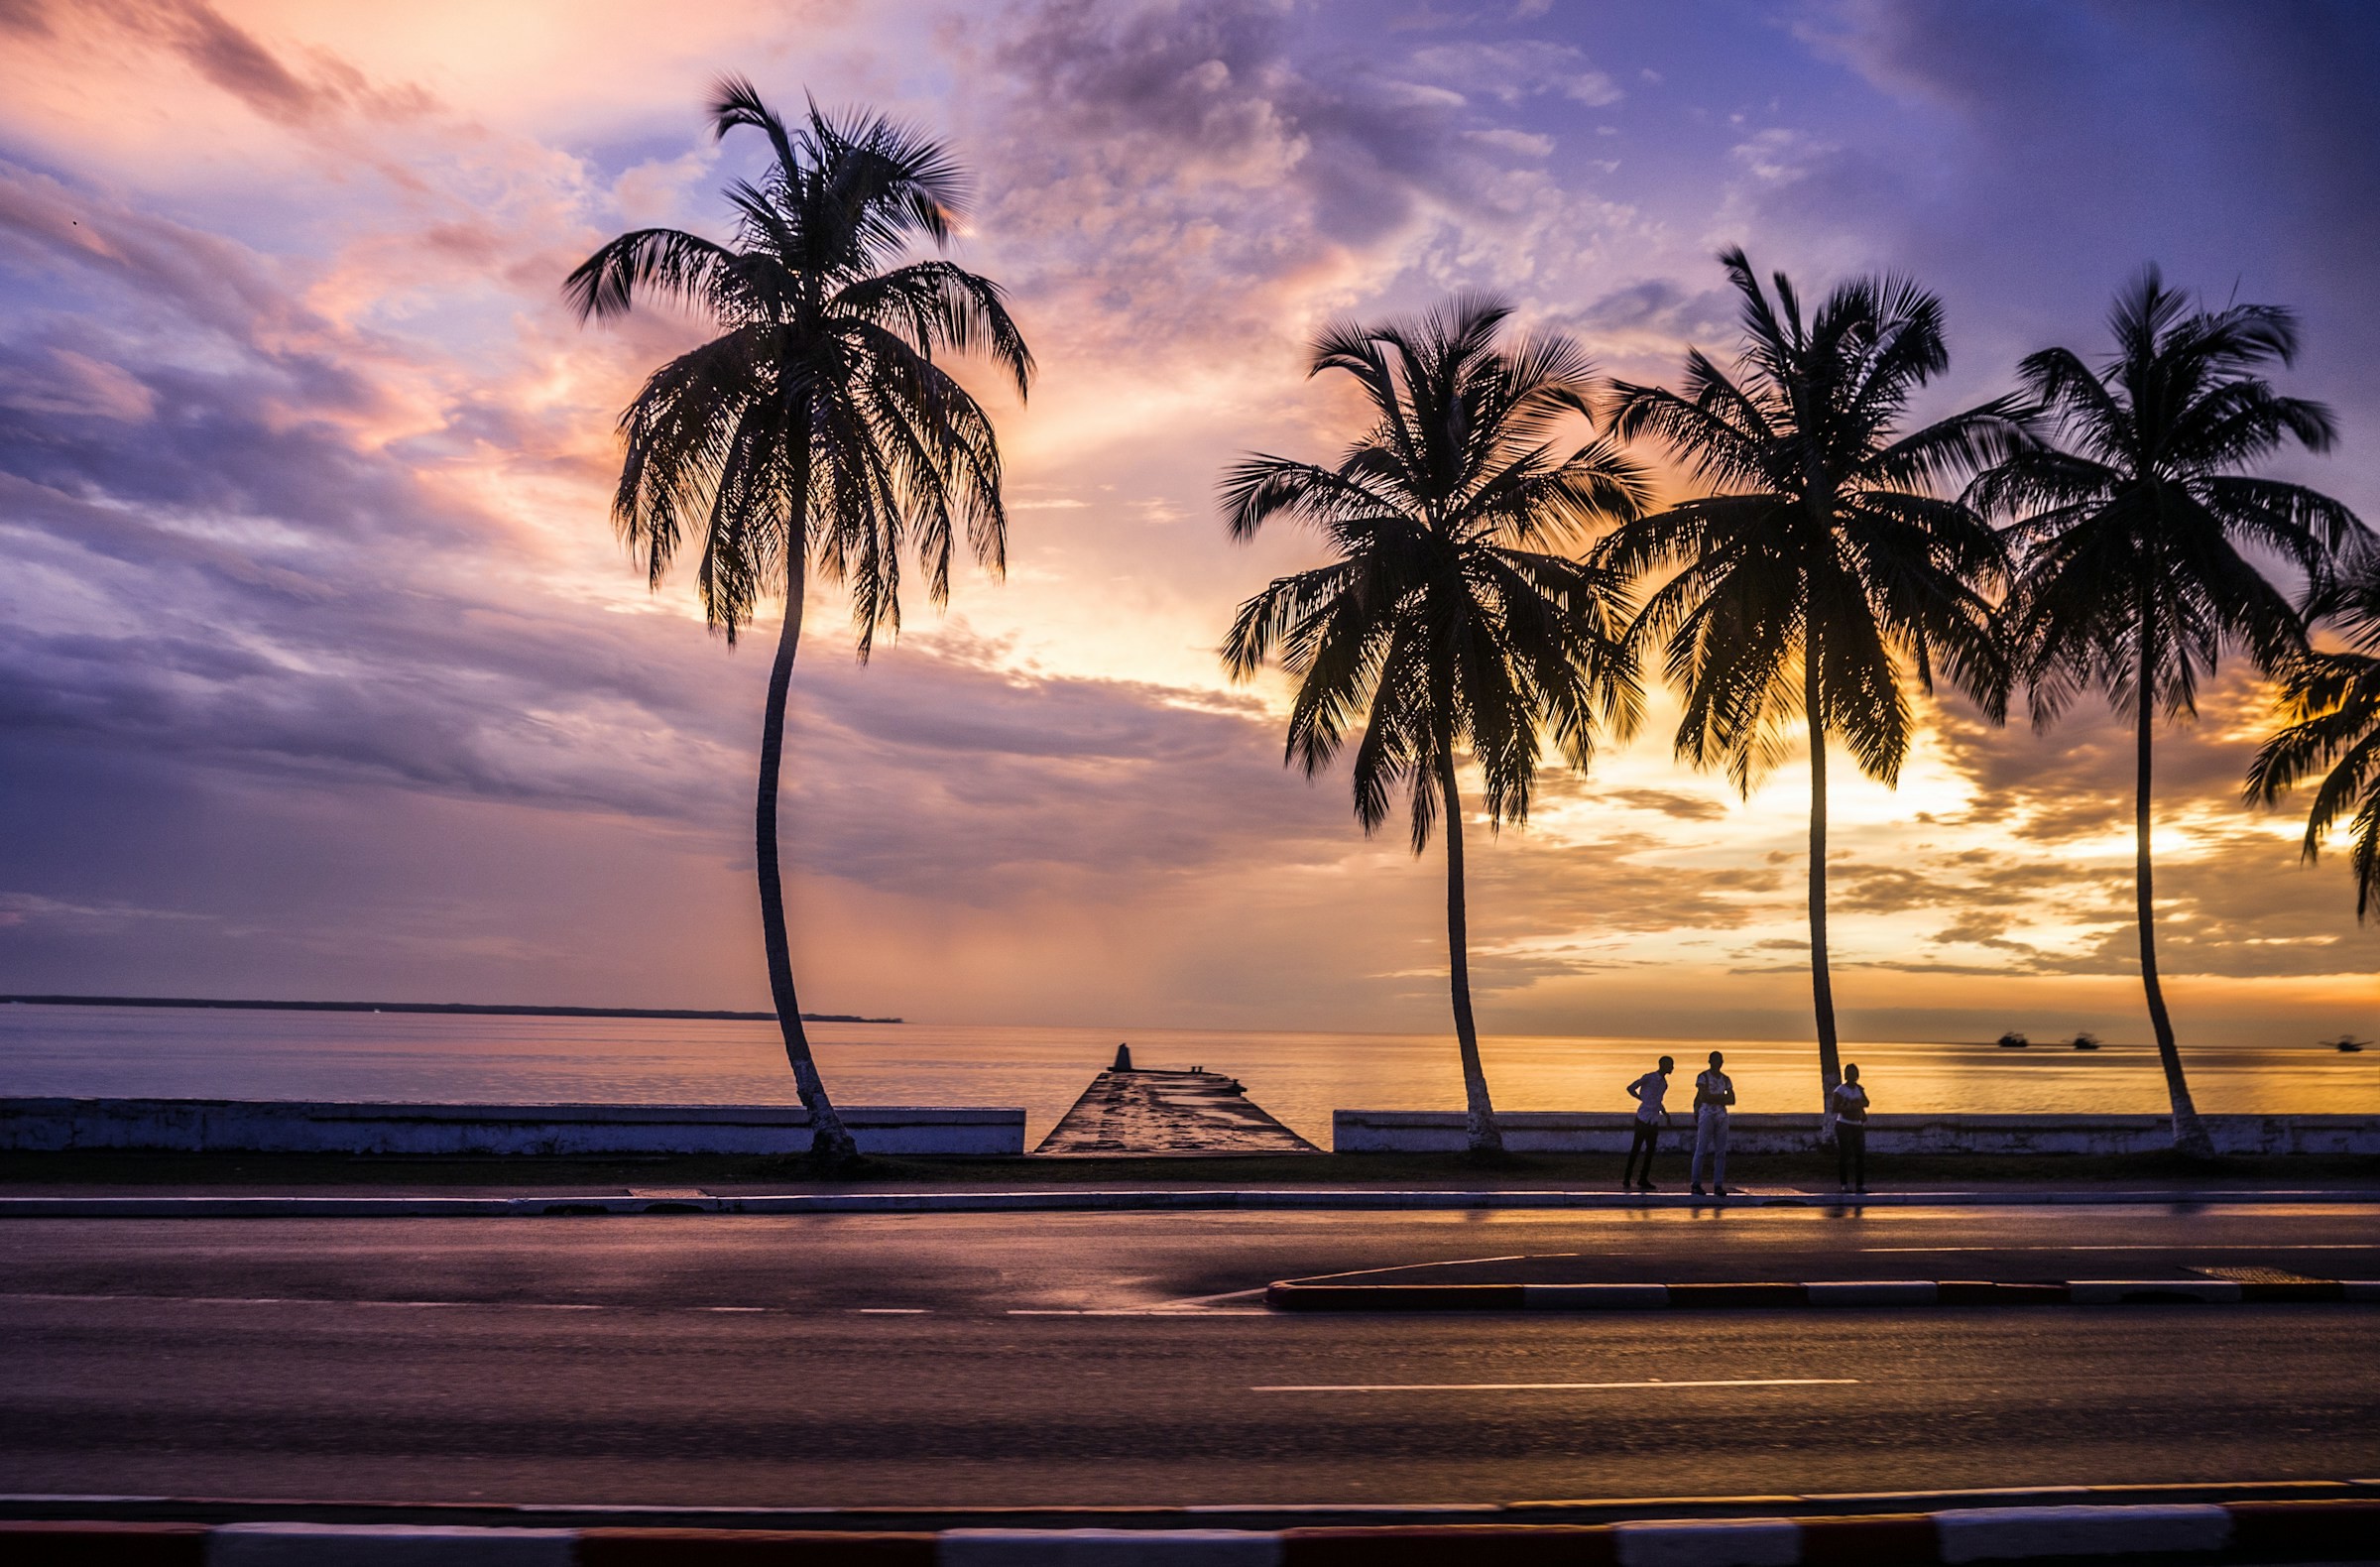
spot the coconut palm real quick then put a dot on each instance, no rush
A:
(1824, 573)
(816, 428)
(2139, 533)
(2330, 701)
(1445, 622)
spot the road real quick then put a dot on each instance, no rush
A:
(907, 1360)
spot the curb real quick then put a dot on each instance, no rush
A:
(2239, 1531)
(199, 1512)
(1291, 1295)
(1043, 1201)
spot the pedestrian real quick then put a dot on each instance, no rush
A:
(1712, 1094)
(1849, 1104)
(1648, 1092)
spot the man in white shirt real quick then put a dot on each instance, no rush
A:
(1849, 1102)
(1648, 1092)
(1712, 1094)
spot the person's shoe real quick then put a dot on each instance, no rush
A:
(1721, 1191)
(1646, 1185)
(1697, 1188)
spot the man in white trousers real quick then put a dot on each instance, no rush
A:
(1712, 1094)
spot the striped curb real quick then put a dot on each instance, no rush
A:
(1070, 1201)
(1291, 1295)
(881, 1522)
(2244, 1532)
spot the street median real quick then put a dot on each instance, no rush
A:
(1296, 1295)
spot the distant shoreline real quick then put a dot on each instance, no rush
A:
(442, 1007)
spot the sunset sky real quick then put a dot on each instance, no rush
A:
(322, 675)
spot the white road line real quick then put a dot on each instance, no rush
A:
(1130, 1311)
(376, 1305)
(1205, 1300)
(1452, 1262)
(892, 1311)
(1552, 1386)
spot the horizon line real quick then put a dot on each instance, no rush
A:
(449, 1008)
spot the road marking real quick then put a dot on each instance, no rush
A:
(1207, 1300)
(1552, 1386)
(892, 1311)
(1130, 1311)
(178, 1300)
(1452, 1262)
(375, 1306)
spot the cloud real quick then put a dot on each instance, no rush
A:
(224, 54)
(1513, 71)
(319, 667)
(1684, 808)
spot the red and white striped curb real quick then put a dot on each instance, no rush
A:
(2258, 1531)
(1291, 1295)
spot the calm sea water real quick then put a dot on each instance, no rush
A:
(102, 1051)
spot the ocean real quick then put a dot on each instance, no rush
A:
(110, 1051)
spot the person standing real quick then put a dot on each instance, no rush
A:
(1648, 1091)
(1712, 1094)
(1849, 1102)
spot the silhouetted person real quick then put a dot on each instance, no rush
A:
(1849, 1104)
(1712, 1094)
(1648, 1092)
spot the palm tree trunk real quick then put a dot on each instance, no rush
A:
(2189, 1133)
(1822, 983)
(830, 1143)
(1480, 1113)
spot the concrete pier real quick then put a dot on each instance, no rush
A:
(1125, 1112)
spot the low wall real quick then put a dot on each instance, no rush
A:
(256, 1126)
(1609, 1131)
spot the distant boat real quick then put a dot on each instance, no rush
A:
(2348, 1044)
(2013, 1040)
(2086, 1042)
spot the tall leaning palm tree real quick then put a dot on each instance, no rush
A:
(1824, 572)
(1448, 622)
(2138, 530)
(2331, 706)
(816, 429)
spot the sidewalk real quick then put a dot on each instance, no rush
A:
(497, 1203)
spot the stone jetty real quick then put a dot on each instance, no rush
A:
(1146, 1112)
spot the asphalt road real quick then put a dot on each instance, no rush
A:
(923, 1360)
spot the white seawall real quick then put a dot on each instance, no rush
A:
(256, 1126)
(1609, 1131)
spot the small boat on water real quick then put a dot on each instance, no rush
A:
(2348, 1044)
(2013, 1040)
(2086, 1042)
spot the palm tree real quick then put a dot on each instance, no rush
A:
(1446, 623)
(2332, 704)
(1823, 567)
(816, 427)
(2134, 577)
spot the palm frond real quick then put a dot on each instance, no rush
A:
(1440, 625)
